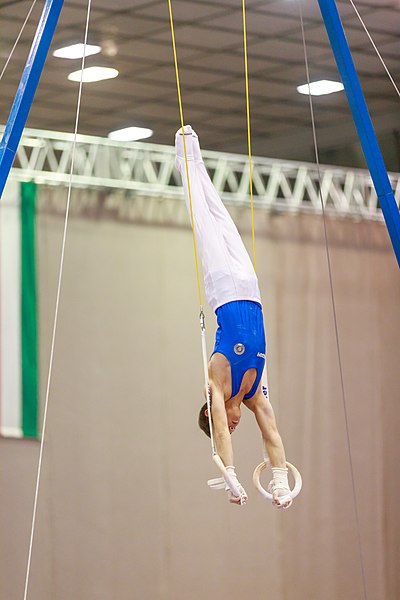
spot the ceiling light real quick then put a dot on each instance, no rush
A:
(320, 88)
(76, 51)
(91, 74)
(130, 134)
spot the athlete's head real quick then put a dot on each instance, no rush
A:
(232, 415)
(203, 421)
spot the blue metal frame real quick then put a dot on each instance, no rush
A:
(362, 120)
(27, 87)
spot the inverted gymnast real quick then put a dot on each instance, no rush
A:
(236, 370)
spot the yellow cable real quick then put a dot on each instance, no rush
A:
(246, 72)
(178, 86)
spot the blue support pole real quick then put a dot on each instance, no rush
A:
(362, 120)
(27, 87)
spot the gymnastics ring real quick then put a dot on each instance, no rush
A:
(296, 474)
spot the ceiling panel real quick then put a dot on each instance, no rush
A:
(223, 63)
(52, 113)
(188, 12)
(380, 87)
(355, 35)
(158, 10)
(271, 111)
(382, 105)
(347, 12)
(151, 50)
(9, 31)
(290, 10)
(391, 47)
(383, 20)
(130, 88)
(192, 36)
(213, 99)
(263, 89)
(297, 75)
(314, 34)
(237, 121)
(19, 10)
(122, 4)
(369, 63)
(154, 108)
(260, 82)
(136, 39)
(130, 25)
(257, 23)
(282, 49)
(370, 3)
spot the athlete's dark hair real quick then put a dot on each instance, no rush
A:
(203, 421)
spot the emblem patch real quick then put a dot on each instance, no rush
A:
(239, 349)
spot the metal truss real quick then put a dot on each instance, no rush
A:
(147, 170)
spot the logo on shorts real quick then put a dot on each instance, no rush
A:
(239, 349)
(260, 355)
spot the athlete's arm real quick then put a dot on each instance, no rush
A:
(265, 417)
(223, 441)
(222, 436)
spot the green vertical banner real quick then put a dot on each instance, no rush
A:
(18, 312)
(29, 340)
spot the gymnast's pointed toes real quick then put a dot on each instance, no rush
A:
(187, 129)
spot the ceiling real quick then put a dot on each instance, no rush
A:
(136, 40)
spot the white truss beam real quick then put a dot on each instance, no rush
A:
(147, 170)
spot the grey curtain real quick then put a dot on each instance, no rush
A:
(124, 509)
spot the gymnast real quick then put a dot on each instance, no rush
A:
(236, 370)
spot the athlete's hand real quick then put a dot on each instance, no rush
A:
(233, 499)
(220, 484)
(279, 488)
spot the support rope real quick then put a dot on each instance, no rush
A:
(196, 257)
(246, 74)
(178, 89)
(334, 312)
(60, 276)
(230, 482)
(17, 40)
(375, 47)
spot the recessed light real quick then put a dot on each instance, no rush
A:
(76, 51)
(320, 88)
(91, 74)
(130, 134)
